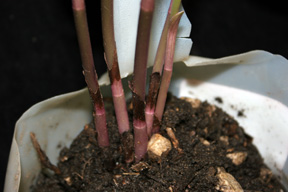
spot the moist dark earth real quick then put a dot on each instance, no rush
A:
(209, 141)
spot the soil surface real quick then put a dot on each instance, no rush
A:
(214, 154)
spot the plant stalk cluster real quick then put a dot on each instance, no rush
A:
(147, 111)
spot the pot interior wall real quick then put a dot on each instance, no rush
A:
(57, 125)
(58, 120)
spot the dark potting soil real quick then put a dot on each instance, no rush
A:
(213, 154)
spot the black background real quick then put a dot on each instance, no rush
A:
(39, 56)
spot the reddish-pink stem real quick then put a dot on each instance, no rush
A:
(112, 64)
(167, 72)
(100, 124)
(139, 79)
(89, 71)
(154, 83)
(120, 106)
(149, 117)
(140, 139)
(78, 5)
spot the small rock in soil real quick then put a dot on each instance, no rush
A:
(210, 141)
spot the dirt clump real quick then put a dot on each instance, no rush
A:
(210, 152)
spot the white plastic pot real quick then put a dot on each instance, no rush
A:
(254, 82)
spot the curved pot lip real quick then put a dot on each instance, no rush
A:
(14, 165)
(49, 103)
(13, 175)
